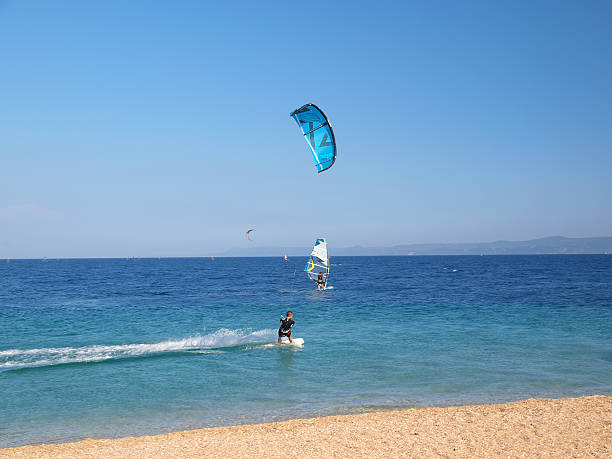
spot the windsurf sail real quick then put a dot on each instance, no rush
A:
(318, 134)
(318, 263)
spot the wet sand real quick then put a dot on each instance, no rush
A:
(570, 427)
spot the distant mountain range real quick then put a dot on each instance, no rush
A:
(547, 245)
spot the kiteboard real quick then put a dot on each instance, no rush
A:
(296, 341)
(299, 342)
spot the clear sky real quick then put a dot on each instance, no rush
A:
(161, 128)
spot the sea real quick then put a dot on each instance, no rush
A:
(105, 348)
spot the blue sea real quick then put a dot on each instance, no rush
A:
(115, 347)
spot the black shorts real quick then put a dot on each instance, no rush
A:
(282, 333)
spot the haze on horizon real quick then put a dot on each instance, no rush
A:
(139, 129)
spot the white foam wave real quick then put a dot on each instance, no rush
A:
(25, 358)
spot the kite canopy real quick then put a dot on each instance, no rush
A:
(248, 233)
(318, 134)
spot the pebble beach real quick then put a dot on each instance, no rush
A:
(569, 427)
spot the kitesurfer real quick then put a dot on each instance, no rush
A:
(285, 328)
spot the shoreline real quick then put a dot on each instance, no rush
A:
(541, 427)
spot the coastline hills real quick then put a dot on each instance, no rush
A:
(543, 246)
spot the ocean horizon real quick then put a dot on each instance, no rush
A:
(552, 245)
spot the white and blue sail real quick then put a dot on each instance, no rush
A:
(318, 263)
(318, 134)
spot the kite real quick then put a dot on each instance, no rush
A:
(318, 135)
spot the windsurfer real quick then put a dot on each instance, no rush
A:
(320, 282)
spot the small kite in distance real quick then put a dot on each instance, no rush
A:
(247, 234)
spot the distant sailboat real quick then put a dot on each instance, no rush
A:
(285, 257)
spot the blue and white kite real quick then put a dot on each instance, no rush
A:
(318, 134)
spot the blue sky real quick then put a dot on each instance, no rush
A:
(162, 128)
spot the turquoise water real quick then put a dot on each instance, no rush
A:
(102, 348)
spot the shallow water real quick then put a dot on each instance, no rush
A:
(105, 348)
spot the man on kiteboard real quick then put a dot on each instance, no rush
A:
(285, 328)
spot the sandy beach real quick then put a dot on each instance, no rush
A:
(571, 427)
